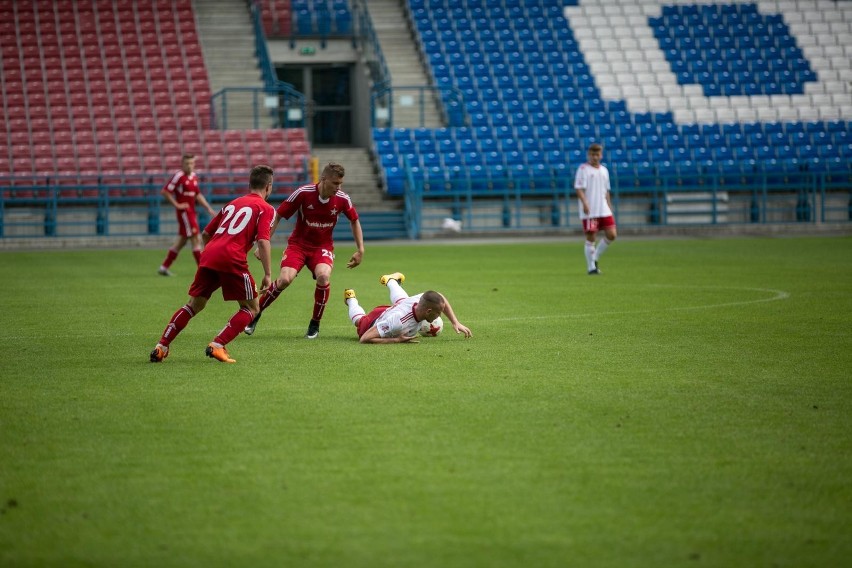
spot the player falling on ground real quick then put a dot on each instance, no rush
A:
(592, 186)
(401, 321)
(311, 244)
(229, 236)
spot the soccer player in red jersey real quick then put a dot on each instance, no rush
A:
(311, 244)
(399, 322)
(182, 192)
(229, 236)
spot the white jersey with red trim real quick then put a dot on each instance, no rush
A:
(398, 320)
(594, 181)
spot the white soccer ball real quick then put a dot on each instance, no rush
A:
(431, 329)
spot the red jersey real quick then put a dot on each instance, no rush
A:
(317, 217)
(234, 231)
(184, 188)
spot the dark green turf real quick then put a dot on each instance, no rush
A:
(689, 407)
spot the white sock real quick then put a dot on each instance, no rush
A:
(601, 248)
(356, 312)
(590, 255)
(396, 291)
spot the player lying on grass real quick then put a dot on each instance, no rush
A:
(401, 321)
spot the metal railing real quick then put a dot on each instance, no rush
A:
(276, 104)
(530, 203)
(120, 205)
(371, 47)
(132, 205)
(382, 103)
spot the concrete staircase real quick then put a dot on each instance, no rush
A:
(360, 181)
(227, 39)
(404, 64)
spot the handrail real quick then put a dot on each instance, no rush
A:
(33, 206)
(413, 199)
(289, 104)
(449, 94)
(372, 49)
(284, 103)
(759, 197)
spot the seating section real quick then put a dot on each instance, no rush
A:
(686, 89)
(283, 18)
(732, 49)
(103, 87)
(276, 17)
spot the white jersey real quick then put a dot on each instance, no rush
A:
(398, 320)
(595, 183)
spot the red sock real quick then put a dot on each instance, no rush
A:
(234, 327)
(269, 296)
(320, 298)
(170, 258)
(197, 254)
(176, 325)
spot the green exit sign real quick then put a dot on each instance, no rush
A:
(308, 50)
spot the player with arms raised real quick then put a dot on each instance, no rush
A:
(311, 244)
(229, 236)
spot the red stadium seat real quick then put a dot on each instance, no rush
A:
(88, 165)
(44, 165)
(40, 137)
(233, 136)
(295, 134)
(238, 161)
(66, 164)
(64, 150)
(216, 162)
(153, 163)
(131, 164)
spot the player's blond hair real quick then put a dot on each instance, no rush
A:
(333, 169)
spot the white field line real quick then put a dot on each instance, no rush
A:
(775, 296)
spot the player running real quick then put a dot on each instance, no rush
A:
(311, 244)
(229, 236)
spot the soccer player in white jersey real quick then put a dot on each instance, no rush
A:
(592, 187)
(400, 321)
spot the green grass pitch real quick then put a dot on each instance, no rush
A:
(692, 406)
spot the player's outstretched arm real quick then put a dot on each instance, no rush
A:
(451, 315)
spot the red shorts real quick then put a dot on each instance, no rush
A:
(594, 224)
(367, 321)
(235, 285)
(187, 223)
(296, 257)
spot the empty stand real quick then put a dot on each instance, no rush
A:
(642, 79)
(112, 88)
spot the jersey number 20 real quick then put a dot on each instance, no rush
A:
(234, 223)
